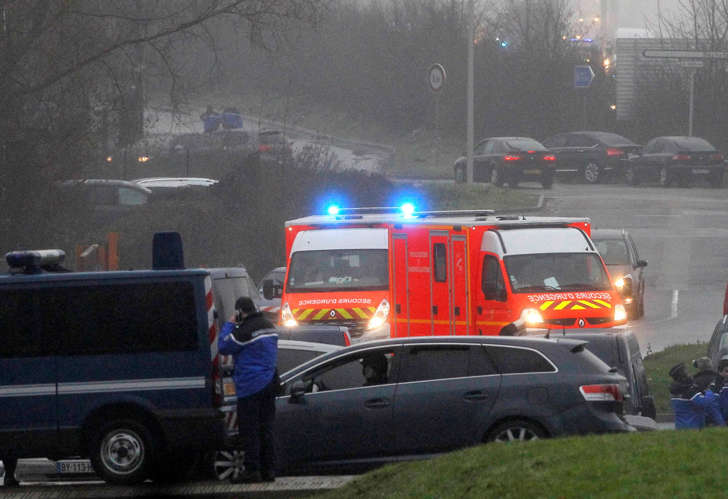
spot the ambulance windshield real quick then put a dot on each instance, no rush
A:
(338, 270)
(556, 272)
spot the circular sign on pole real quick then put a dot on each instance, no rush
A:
(436, 77)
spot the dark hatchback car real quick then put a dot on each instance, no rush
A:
(626, 269)
(680, 160)
(510, 160)
(592, 155)
(388, 400)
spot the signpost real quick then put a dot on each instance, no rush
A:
(691, 60)
(583, 76)
(436, 77)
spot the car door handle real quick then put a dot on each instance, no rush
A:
(376, 403)
(475, 395)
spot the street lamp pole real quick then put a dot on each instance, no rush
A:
(471, 57)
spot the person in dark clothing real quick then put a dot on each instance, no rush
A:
(705, 380)
(688, 402)
(721, 386)
(252, 340)
(374, 369)
(10, 463)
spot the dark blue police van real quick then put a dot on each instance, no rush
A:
(115, 366)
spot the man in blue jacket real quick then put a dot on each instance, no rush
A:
(688, 403)
(253, 342)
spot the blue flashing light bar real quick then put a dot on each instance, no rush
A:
(333, 210)
(408, 209)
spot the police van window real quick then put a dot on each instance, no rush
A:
(18, 322)
(121, 318)
(493, 284)
(435, 362)
(519, 360)
(440, 261)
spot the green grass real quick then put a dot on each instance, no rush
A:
(441, 196)
(655, 464)
(658, 365)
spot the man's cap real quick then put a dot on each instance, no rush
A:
(677, 369)
(245, 305)
(703, 364)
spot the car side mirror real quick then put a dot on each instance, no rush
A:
(641, 263)
(298, 390)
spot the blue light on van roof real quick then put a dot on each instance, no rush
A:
(408, 210)
(332, 210)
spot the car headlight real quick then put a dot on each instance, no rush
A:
(619, 283)
(380, 316)
(531, 317)
(287, 316)
(620, 314)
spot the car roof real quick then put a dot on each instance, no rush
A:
(175, 181)
(103, 181)
(114, 275)
(225, 272)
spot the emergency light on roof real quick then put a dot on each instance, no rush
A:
(33, 260)
(408, 210)
(333, 210)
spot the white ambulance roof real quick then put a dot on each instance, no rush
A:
(537, 240)
(442, 218)
(323, 239)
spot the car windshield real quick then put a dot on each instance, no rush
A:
(335, 270)
(521, 144)
(556, 272)
(613, 251)
(693, 144)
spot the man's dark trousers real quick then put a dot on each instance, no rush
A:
(256, 416)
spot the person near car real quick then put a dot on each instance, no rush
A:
(10, 462)
(253, 342)
(721, 386)
(374, 369)
(210, 120)
(705, 380)
(687, 401)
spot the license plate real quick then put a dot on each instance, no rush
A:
(532, 171)
(74, 466)
(700, 170)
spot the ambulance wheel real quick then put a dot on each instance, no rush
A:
(496, 176)
(665, 178)
(122, 452)
(592, 173)
(517, 430)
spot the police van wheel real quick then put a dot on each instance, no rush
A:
(518, 430)
(121, 452)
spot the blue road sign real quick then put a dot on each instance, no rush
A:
(583, 76)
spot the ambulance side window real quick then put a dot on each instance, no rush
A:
(493, 285)
(440, 259)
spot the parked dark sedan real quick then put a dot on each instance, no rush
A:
(625, 267)
(676, 159)
(510, 160)
(387, 400)
(591, 155)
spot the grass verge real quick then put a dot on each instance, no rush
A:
(658, 365)
(442, 196)
(654, 464)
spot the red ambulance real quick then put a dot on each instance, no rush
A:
(386, 273)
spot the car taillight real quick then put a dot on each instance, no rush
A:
(264, 148)
(601, 393)
(511, 157)
(549, 157)
(612, 151)
(681, 157)
(716, 157)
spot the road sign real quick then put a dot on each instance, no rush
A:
(436, 77)
(683, 54)
(583, 76)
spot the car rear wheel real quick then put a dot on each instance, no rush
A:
(716, 179)
(547, 180)
(459, 175)
(228, 464)
(592, 173)
(665, 179)
(516, 431)
(630, 175)
(122, 452)
(685, 180)
(496, 176)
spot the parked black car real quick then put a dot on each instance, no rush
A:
(676, 159)
(510, 160)
(387, 400)
(619, 348)
(591, 154)
(625, 267)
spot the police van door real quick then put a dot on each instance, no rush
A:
(28, 374)
(440, 278)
